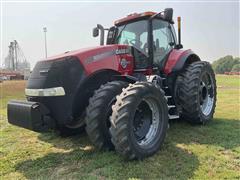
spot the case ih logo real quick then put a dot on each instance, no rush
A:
(122, 51)
(101, 56)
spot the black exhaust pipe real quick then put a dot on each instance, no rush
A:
(179, 30)
(179, 46)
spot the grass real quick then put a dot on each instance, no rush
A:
(189, 152)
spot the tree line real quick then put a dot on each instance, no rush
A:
(226, 64)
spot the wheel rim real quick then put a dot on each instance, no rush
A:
(206, 94)
(75, 124)
(146, 122)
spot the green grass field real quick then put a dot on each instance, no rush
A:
(189, 152)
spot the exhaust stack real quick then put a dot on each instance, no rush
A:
(179, 46)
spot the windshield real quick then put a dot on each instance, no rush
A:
(134, 34)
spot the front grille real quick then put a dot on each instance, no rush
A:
(65, 72)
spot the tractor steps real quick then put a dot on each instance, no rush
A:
(172, 109)
(171, 106)
(173, 116)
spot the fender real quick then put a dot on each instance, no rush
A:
(127, 78)
(131, 78)
(177, 60)
(86, 88)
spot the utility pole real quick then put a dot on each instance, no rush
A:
(16, 58)
(45, 38)
(11, 50)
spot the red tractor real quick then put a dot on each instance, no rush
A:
(124, 92)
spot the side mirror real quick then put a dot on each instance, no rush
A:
(171, 44)
(113, 31)
(95, 32)
(168, 14)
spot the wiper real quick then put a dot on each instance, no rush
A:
(121, 32)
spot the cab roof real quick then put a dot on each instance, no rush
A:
(134, 16)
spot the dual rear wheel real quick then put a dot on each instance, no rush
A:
(196, 93)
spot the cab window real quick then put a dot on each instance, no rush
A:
(126, 37)
(134, 34)
(162, 40)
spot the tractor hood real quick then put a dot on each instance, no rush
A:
(98, 58)
(86, 53)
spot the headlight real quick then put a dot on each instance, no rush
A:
(56, 91)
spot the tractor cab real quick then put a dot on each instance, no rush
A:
(151, 36)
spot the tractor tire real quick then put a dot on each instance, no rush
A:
(195, 93)
(139, 120)
(75, 128)
(66, 131)
(98, 112)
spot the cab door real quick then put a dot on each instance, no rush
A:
(163, 41)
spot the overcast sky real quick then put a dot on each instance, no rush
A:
(211, 29)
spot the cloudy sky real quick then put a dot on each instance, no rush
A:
(211, 29)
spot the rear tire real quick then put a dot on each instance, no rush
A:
(196, 92)
(139, 120)
(99, 111)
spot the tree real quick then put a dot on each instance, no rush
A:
(225, 64)
(236, 68)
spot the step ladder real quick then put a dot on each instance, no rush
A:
(172, 109)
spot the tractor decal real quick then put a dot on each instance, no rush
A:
(99, 57)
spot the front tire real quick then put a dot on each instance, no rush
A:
(139, 120)
(196, 92)
(76, 127)
(99, 111)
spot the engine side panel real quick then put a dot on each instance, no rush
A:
(108, 60)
